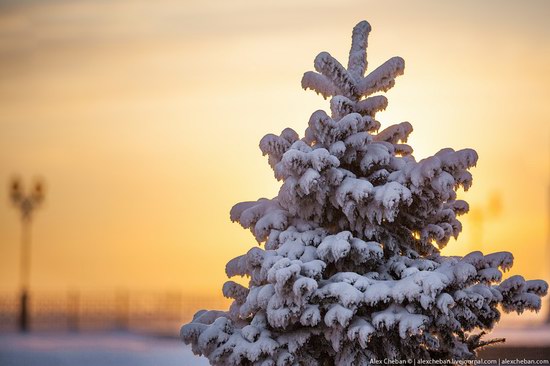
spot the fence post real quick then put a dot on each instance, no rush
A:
(24, 311)
(122, 310)
(73, 310)
(177, 306)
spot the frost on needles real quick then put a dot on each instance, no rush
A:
(350, 268)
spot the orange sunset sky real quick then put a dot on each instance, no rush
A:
(144, 119)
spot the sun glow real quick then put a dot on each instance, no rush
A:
(144, 119)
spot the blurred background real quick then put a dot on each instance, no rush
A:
(143, 121)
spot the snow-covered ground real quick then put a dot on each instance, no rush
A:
(110, 349)
(125, 349)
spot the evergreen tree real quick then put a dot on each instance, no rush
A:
(351, 268)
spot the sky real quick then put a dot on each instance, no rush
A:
(143, 118)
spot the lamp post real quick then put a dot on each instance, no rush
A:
(26, 203)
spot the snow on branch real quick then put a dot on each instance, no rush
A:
(357, 62)
(383, 77)
(371, 105)
(319, 84)
(328, 66)
(395, 133)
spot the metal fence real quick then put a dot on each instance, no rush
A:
(151, 312)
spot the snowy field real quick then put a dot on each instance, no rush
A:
(120, 349)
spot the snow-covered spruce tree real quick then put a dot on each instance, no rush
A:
(351, 269)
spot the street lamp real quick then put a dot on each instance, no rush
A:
(26, 203)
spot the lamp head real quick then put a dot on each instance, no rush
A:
(37, 193)
(16, 190)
